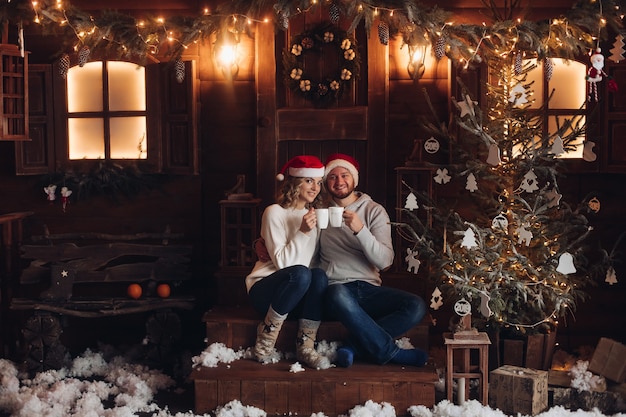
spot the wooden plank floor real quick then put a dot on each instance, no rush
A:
(334, 391)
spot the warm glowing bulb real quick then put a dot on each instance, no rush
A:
(226, 55)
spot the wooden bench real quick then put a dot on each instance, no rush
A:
(278, 391)
(87, 275)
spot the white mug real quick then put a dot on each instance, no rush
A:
(336, 216)
(322, 217)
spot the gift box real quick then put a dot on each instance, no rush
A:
(513, 390)
(609, 360)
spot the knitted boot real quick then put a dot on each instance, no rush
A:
(305, 345)
(266, 335)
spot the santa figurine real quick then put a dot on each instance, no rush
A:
(595, 73)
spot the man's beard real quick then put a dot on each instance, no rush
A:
(341, 194)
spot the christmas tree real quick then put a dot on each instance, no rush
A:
(514, 243)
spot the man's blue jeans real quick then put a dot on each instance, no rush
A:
(297, 290)
(374, 316)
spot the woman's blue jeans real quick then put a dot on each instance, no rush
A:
(297, 290)
(374, 316)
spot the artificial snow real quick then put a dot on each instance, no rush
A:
(93, 387)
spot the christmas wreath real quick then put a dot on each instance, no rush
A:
(321, 92)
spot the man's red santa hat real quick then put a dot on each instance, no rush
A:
(303, 166)
(346, 161)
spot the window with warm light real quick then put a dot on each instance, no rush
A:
(107, 115)
(569, 97)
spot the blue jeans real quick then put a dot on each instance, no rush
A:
(296, 289)
(374, 316)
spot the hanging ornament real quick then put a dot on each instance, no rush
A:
(548, 66)
(436, 300)
(595, 73)
(64, 65)
(617, 52)
(557, 146)
(611, 277)
(431, 145)
(529, 183)
(50, 191)
(333, 12)
(518, 96)
(383, 33)
(471, 185)
(518, 64)
(411, 202)
(566, 264)
(588, 154)
(553, 197)
(594, 204)
(413, 264)
(524, 236)
(462, 307)
(442, 176)
(500, 222)
(493, 158)
(65, 197)
(469, 239)
(440, 47)
(484, 305)
(83, 56)
(179, 69)
(467, 106)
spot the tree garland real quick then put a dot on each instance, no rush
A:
(323, 92)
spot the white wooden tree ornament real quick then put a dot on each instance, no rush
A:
(529, 184)
(469, 239)
(471, 185)
(436, 300)
(557, 146)
(411, 202)
(611, 277)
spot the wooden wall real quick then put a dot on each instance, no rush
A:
(232, 141)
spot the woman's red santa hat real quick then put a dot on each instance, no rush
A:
(346, 161)
(303, 166)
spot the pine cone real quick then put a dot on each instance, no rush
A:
(83, 56)
(518, 64)
(549, 67)
(333, 13)
(283, 21)
(440, 47)
(383, 33)
(64, 65)
(179, 68)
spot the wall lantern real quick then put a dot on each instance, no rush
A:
(417, 57)
(226, 56)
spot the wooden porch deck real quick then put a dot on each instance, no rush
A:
(276, 390)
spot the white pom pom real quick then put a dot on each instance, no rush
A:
(280, 177)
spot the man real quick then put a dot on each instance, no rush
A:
(353, 256)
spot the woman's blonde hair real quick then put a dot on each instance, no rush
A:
(290, 190)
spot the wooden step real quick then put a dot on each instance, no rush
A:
(277, 391)
(236, 327)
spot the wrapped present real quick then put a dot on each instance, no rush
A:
(609, 360)
(513, 390)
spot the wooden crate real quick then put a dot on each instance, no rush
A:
(276, 390)
(513, 390)
(609, 360)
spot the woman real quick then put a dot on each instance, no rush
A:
(285, 284)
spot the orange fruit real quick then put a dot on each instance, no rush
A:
(163, 290)
(134, 291)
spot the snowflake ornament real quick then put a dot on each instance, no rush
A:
(442, 176)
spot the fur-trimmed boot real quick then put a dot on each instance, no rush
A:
(305, 345)
(266, 335)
